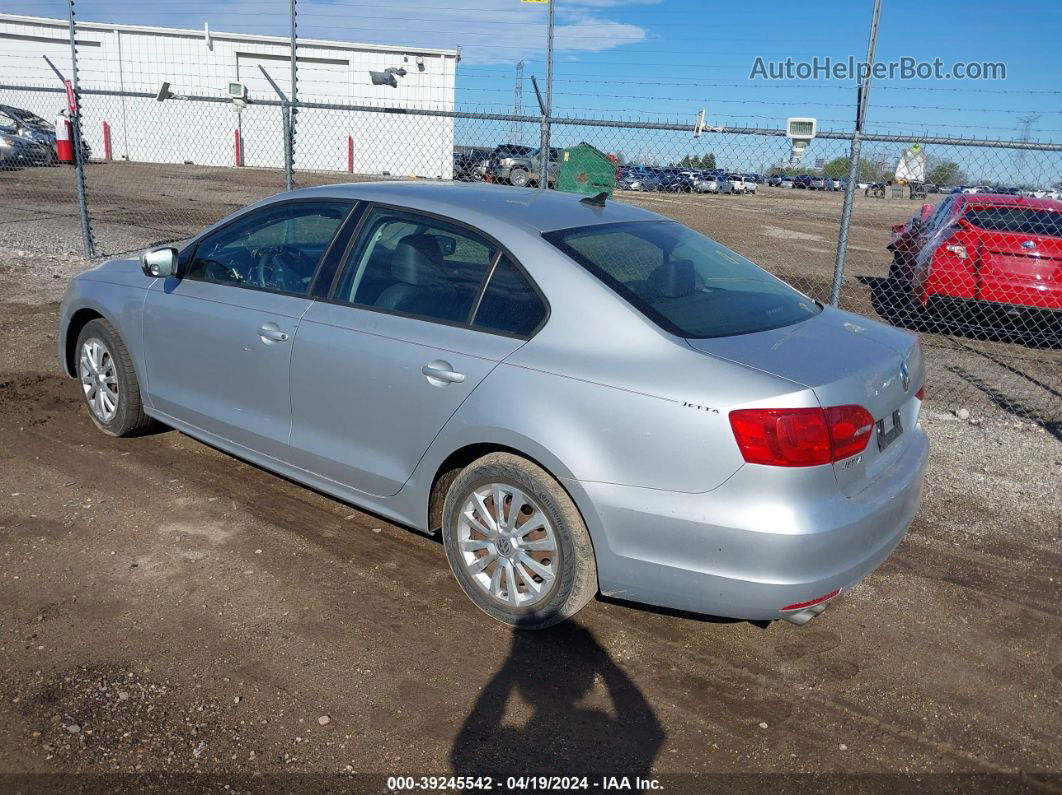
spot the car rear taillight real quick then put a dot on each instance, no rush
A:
(801, 437)
(850, 429)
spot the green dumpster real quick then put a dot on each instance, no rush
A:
(587, 170)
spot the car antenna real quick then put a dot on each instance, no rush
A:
(595, 201)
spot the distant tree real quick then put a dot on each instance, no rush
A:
(707, 161)
(945, 172)
(836, 168)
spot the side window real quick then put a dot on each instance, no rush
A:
(275, 248)
(409, 263)
(509, 304)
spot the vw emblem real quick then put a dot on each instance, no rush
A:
(1028, 244)
(905, 376)
(504, 547)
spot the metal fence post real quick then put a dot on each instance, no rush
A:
(853, 159)
(88, 243)
(543, 173)
(289, 161)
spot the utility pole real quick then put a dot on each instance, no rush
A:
(517, 136)
(1025, 125)
(853, 157)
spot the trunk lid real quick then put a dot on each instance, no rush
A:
(844, 359)
(1021, 257)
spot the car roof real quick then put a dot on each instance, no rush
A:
(1000, 199)
(526, 209)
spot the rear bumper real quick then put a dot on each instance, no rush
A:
(998, 313)
(745, 551)
(964, 283)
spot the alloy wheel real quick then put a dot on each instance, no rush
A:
(99, 379)
(508, 546)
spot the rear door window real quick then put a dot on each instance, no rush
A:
(510, 304)
(416, 265)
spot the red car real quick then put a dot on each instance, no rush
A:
(984, 250)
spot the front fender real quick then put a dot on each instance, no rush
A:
(121, 305)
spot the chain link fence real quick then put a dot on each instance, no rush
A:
(969, 255)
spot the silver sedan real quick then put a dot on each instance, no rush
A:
(581, 396)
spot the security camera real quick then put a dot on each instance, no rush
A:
(800, 131)
(383, 79)
(238, 93)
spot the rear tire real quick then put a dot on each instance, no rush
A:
(519, 178)
(108, 384)
(528, 579)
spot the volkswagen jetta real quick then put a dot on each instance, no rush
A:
(581, 396)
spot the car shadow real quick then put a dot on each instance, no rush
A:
(555, 673)
(893, 306)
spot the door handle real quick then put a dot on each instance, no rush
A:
(440, 373)
(270, 333)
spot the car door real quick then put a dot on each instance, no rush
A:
(379, 368)
(218, 339)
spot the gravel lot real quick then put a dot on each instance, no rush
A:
(166, 608)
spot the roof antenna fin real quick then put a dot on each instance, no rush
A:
(595, 201)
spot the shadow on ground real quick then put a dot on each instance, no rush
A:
(558, 675)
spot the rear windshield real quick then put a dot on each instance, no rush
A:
(1016, 219)
(683, 281)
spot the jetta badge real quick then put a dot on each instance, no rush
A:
(905, 376)
(1028, 244)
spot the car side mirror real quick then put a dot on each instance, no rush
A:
(159, 263)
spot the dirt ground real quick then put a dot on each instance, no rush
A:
(165, 608)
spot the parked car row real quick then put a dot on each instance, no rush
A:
(805, 181)
(648, 178)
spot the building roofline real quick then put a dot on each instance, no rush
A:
(223, 35)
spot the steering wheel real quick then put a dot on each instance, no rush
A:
(282, 268)
(219, 272)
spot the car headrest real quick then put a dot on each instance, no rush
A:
(417, 260)
(674, 279)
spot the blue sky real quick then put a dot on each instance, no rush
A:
(666, 59)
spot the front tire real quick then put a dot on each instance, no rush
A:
(109, 387)
(517, 544)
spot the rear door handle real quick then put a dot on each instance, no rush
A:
(440, 373)
(271, 333)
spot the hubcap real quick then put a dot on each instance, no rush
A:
(99, 381)
(508, 546)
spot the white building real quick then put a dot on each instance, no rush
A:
(129, 58)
